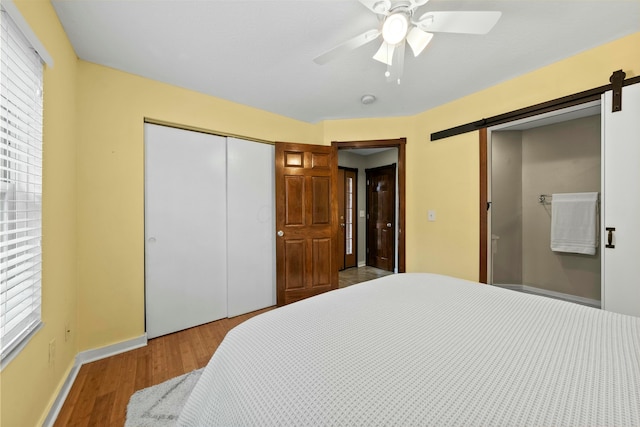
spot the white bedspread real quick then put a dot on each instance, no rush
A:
(424, 350)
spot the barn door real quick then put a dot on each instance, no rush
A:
(621, 202)
(306, 230)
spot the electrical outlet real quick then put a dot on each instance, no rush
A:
(52, 352)
(67, 331)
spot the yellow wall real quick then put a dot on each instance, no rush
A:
(29, 384)
(112, 106)
(94, 189)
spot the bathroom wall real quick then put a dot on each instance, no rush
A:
(559, 158)
(506, 206)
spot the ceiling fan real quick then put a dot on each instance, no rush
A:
(401, 26)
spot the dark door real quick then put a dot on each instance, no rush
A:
(381, 197)
(306, 256)
(347, 208)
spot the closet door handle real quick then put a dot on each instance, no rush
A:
(610, 231)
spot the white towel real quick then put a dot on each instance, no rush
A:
(573, 223)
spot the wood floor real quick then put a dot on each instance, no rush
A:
(102, 389)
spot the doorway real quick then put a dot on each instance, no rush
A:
(362, 155)
(307, 246)
(527, 162)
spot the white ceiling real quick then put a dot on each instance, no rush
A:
(260, 52)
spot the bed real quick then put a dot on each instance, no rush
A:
(424, 350)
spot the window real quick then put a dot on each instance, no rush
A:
(20, 187)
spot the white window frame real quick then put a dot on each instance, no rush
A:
(21, 118)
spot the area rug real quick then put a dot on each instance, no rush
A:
(160, 405)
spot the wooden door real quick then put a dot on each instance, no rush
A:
(347, 210)
(381, 197)
(621, 203)
(306, 256)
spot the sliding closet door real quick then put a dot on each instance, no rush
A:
(621, 203)
(185, 229)
(250, 226)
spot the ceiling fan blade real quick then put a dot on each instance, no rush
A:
(396, 68)
(380, 7)
(480, 22)
(418, 40)
(385, 53)
(347, 46)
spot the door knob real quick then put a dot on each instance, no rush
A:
(342, 224)
(389, 224)
(280, 233)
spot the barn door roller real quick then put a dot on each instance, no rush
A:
(616, 79)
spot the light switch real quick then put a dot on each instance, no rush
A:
(431, 215)
(361, 214)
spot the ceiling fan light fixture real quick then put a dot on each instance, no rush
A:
(395, 28)
(418, 40)
(385, 53)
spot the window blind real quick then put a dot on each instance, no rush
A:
(21, 72)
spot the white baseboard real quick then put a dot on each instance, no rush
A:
(111, 350)
(62, 396)
(558, 295)
(87, 357)
(362, 264)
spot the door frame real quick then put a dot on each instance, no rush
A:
(400, 144)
